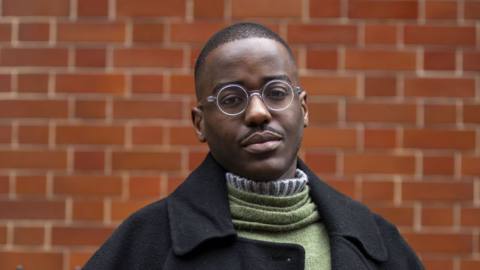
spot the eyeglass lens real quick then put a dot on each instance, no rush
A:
(233, 99)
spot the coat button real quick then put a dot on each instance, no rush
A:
(289, 259)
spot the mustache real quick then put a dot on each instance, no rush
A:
(259, 129)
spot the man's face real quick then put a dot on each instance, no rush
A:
(259, 144)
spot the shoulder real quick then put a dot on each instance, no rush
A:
(132, 244)
(399, 251)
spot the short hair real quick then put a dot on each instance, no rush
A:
(234, 32)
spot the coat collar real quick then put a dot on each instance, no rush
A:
(199, 211)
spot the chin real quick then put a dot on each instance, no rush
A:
(266, 170)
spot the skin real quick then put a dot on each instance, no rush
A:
(251, 62)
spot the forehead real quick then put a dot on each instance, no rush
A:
(248, 61)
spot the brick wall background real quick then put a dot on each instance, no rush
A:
(95, 100)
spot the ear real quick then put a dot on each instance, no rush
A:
(303, 103)
(197, 120)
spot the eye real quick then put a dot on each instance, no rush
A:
(277, 91)
(231, 100)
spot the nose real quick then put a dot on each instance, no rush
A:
(256, 113)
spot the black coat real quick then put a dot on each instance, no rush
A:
(192, 229)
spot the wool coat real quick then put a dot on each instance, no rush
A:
(192, 229)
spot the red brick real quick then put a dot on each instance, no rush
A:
(471, 60)
(90, 83)
(380, 138)
(437, 191)
(150, 8)
(316, 137)
(79, 236)
(142, 160)
(87, 210)
(145, 187)
(88, 186)
(440, 114)
(90, 57)
(380, 86)
(197, 32)
(32, 209)
(329, 85)
(38, 57)
(324, 8)
(90, 109)
(320, 162)
(438, 165)
(439, 87)
(5, 32)
(380, 34)
(470, 217)
(183, 136)
(322, 59)
(440, 35)
(437, 216)
(322, 113)
(435, 263)
(122, 209)
(5, 134)
(379, 59)
(400, 216)
(377, 191)
(381, 112)
(148, 135)
(5, 83)
(471, 113)
(382, 9)
(470, 264)
(195, 158)
(33, 109)
(439, 60)
(470, 165)
(31, 260)
(31, 159)
(439, 10)
(88, 161)
(92, 8)
(208, 9)
(31, 185)
(79, 258)
(91, 32)
(131, 109)
(90, 134)
(33, 134)
(472, 10)
(173, 183)
(34, 32)
(322, 34)
(379, 163)
(36, 8)
(440, 243)
(439, 139)
(147, 84)
(263, 8)
(148, 57)
(3, 234)
(182, 84)
(148, 32)
(28, 235)
(32, 83)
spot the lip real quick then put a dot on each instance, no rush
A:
(261, 142)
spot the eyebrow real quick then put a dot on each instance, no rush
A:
(264, 81)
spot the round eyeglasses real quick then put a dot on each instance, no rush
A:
(233, 99)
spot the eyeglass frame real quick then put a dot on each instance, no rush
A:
(250, 93)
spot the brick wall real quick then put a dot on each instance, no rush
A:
(95, 98)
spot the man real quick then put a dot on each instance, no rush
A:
(252, 204)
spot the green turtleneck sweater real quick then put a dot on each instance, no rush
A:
(283, 219)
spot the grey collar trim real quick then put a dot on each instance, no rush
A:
(282, 187)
